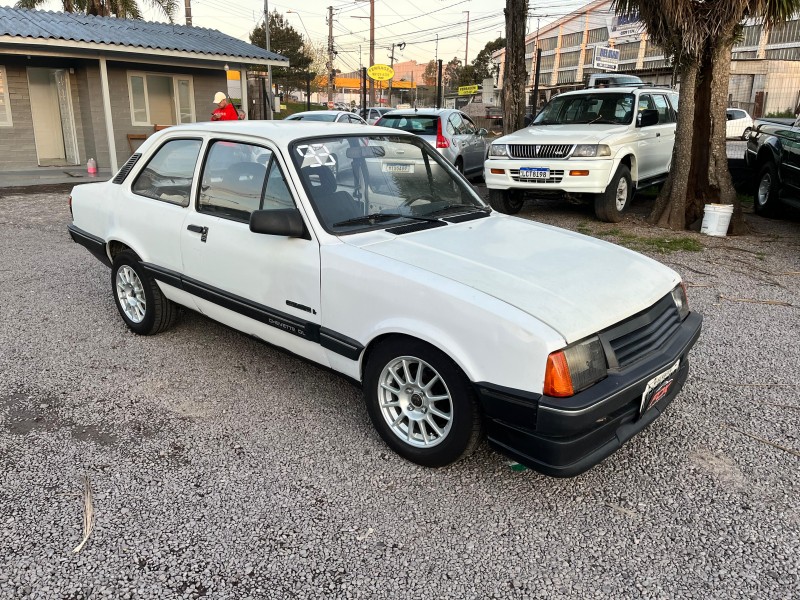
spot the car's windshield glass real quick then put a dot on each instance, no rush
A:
(421, 125)
(313, 117)
(608, 108)
(379, 181)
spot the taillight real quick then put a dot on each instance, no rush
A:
(441, 141)
(557, 381)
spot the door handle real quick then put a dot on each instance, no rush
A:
(203, 231)
(658, 135)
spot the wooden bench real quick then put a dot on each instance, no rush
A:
(135, 139)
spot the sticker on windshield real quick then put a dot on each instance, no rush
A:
(316, 155)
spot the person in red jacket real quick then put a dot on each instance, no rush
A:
(225, 111)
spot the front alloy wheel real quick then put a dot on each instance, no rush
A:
(420, 402)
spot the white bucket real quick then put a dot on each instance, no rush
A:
(716, 218)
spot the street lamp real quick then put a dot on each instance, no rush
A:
(294, 12)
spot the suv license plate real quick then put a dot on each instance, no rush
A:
(533, 173)
(658, 387)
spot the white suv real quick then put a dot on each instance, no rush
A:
(593, 144)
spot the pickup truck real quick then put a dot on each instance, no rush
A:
(773, 153)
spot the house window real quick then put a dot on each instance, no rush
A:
(160, 99)
(5, 107)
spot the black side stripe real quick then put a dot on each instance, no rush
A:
(94, 244)
(330, 340)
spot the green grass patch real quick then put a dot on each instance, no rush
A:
(583, 228)
(745, 199)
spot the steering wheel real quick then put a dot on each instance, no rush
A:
(424, 199)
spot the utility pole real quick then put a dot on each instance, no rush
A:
(268, 91)
(466, 49)
(401, 45)
(187, 7)
(371, 50)
(329, 64)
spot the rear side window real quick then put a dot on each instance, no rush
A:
(664, 111)
(168, 175)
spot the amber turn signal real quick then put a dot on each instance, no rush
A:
(557, 380)
(577, 173)
(498, 171)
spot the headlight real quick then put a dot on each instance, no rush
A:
(681, 302)
(575, 368)
(588, 150)
(498, 151)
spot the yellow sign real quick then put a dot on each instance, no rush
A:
(380, 72)
(467, 90)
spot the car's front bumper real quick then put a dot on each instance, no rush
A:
(503, 174)
(564, 437)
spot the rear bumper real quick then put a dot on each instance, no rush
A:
(544, 434)
(94, 244)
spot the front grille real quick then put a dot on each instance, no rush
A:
(540, 150)
(556, 175)
(643, 333)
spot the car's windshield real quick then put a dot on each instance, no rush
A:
(313, 117)
(380, 181)
(574, 109)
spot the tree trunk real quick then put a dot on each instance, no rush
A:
(670, 208)
(516, 12)
(698, 169)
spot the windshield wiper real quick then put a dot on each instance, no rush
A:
(373, 218)
(472, 207)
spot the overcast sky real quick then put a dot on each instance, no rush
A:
(415, 22)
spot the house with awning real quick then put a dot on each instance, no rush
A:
(75, 86)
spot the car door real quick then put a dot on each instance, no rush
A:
(476, 146)
(665, 132)
(157, 202)
(264, 285)
(652, 152)
(459, 141)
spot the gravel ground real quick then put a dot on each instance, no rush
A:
(224, 468)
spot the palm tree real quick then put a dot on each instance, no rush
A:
(124, 9)
(700, 37)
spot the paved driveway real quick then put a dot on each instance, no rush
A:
(224, 468)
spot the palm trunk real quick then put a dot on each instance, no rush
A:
(670, 207)
(514, 78)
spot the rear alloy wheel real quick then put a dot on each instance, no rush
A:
(508, 202)
(421, 403)
(610, 205)
(140, 302)
(765, 200)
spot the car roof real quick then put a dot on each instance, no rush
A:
(320, 112)
(281, 132)
(423, 112)
(625, 89)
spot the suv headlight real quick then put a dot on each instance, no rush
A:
(575, 368)
(498, 151)
(589, 150)
(681, 301)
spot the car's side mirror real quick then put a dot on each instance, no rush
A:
(647, 117)
(284, 221)
(482, 132)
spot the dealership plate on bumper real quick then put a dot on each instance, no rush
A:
(534, 173)
(658, 387)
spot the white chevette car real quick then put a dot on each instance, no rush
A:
(597, 145)
(388, 268)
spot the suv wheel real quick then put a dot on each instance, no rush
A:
(610, 205)
(508, 202)
(765, 200)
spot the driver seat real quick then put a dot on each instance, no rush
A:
(332, 205)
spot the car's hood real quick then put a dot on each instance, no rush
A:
(562, 134)
(576, 284)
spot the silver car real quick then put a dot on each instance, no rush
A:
(332, 116)
(450, 131)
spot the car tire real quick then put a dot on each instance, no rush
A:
(139, 300)
(765, 198)
(746, 133)
(508, 202)
(611, 204)
(421, 403)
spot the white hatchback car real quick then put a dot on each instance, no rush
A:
(739, 124)
(389, 269)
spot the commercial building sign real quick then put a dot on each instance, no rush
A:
(467, 90)
(380, 72)
(606, 59)
(625, 26)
